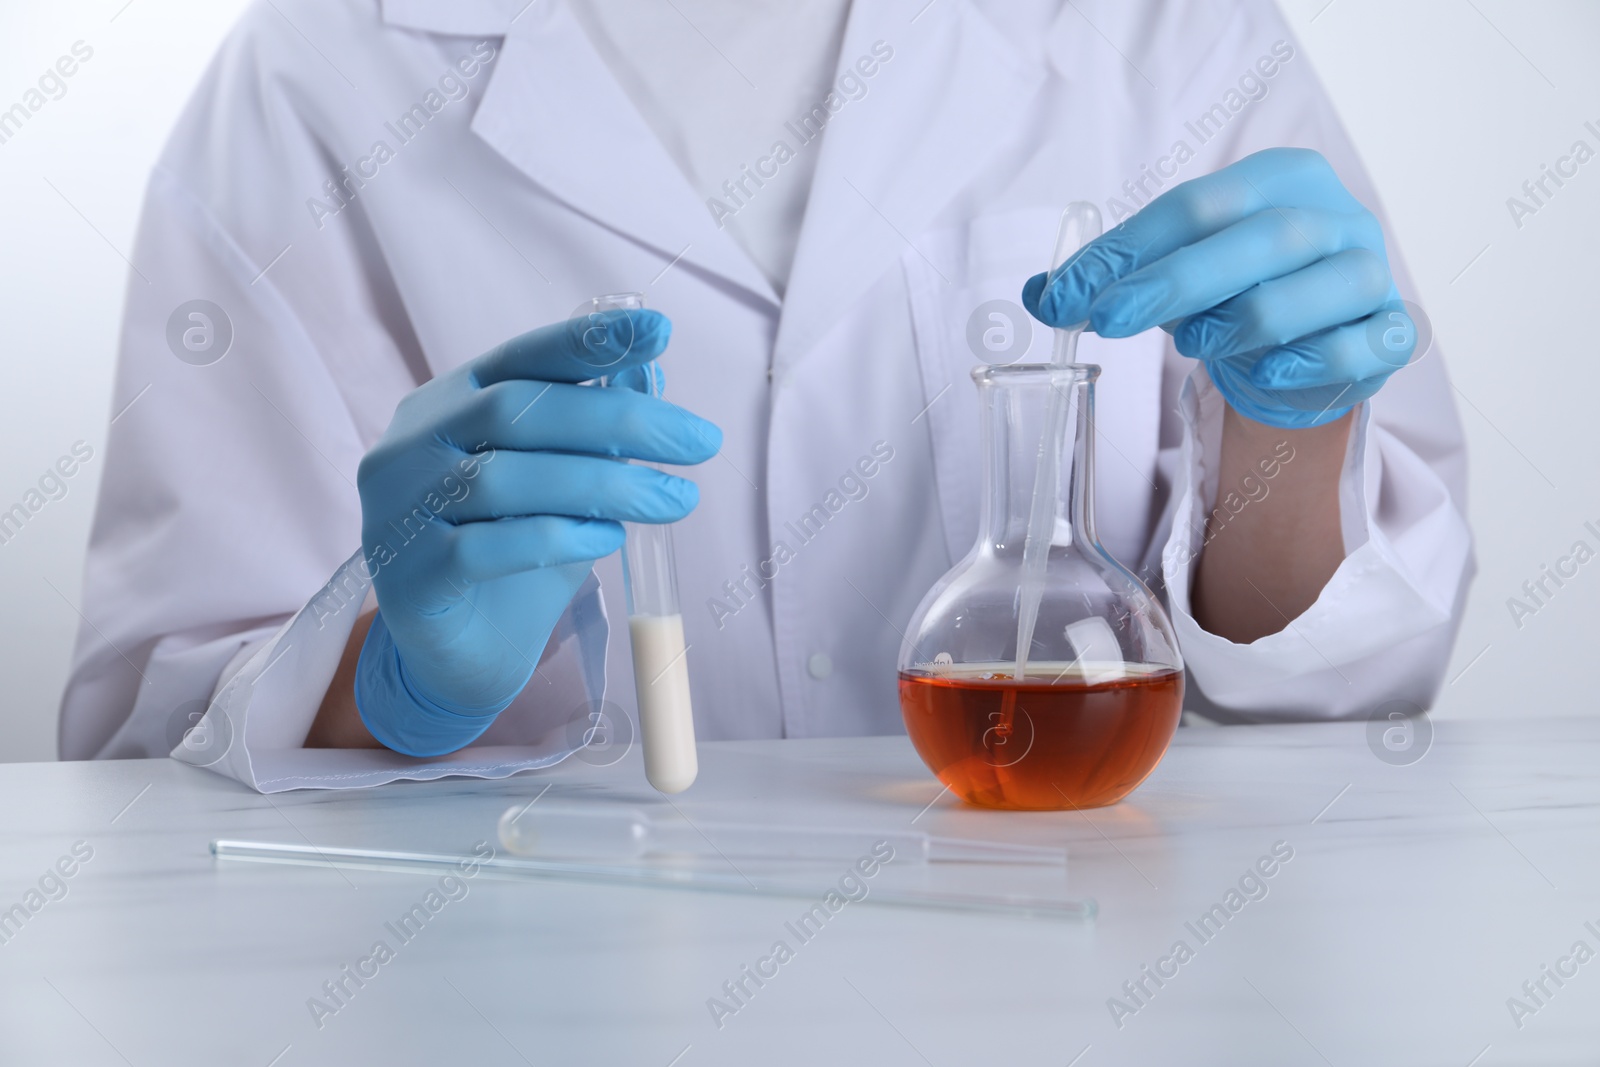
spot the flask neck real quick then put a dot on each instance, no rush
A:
(1021, 406)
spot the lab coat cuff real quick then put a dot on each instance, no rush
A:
(262, 708)
(397, 714)
(1374, 601)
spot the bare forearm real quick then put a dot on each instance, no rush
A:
(338, 723)
(1274, 542)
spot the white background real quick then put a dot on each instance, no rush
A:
(1454, 104)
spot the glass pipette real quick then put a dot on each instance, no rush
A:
(1080, 224)
(655, 627)
(594, 832)
(1017, 905)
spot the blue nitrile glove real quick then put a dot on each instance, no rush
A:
(485, 504)
(1267, 270)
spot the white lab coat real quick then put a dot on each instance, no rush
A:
(219, 568)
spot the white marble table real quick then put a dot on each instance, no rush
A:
(1418, 900)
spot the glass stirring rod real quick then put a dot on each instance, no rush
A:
(591, 832)
(1080, 224)
(655, 627)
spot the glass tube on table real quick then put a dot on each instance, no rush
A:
(577, 830)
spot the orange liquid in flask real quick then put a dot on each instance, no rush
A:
(1050, 741)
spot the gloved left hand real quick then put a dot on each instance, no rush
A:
(1268, 270)
(472, 578)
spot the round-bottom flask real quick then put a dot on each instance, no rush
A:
(1102, 692)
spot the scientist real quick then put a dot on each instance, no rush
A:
(360, 520)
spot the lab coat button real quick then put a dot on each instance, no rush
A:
(820, 666)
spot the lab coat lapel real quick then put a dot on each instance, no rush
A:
(952, 92)
(554, 111)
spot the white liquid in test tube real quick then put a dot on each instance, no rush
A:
(655, 630)
(660, 659)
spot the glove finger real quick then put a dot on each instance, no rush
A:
(1267, 245)
(538, 416)
(591, 346)
(646, 378)
(1341, 288)
(1337, 356)
(1190, 212)
(484, 551)
(520, 484)
(1343, 395)
(1285, 409)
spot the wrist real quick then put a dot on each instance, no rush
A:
(338, 724)
(399, 713)
(1317, 452)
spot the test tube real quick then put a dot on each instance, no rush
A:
(660, 658)
(655, 629)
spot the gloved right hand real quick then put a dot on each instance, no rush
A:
(484, 506)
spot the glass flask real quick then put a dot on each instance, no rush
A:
(1102, 690)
